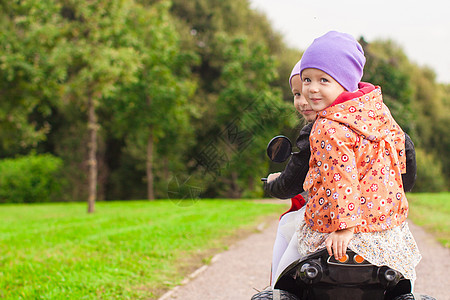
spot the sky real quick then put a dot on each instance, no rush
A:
(421, 28)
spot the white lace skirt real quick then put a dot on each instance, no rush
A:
(395, 247)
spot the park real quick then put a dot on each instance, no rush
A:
(133, 140)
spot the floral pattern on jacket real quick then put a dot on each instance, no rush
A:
(357, 157)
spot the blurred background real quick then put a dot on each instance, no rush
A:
(121, 100)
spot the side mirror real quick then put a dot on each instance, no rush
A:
(279, 149)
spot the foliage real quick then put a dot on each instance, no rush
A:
(387, 66)
(431, 211)
(134, 91)
(417, 103)
(98, 56)
(95, 49)
(27, 77)
(128, 250)
(248, 110)
(153, 111)
(432, 118)
(31, 178)
(429, 173)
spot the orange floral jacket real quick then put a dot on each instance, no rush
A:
(357, 157)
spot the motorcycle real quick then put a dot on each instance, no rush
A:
(319, 276)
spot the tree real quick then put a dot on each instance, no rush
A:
(28, 79)
(431, 111)
(208, 21)
(249, 111)
(417, 102)
(97, 55)
(155, 104)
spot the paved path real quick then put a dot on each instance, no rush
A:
(236, 273)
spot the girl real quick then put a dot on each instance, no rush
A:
(289, 183)
(356, 197)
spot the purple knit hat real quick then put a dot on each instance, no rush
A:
(295, 71)
(339, 55)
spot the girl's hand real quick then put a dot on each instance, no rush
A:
(273, 176)
(337, 242)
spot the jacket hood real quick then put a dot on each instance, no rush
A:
(364, 112)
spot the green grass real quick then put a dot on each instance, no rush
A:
(126, 250)
(432, 212)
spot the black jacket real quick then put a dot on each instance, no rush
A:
(290, 182)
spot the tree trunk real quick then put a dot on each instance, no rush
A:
(149, 163)
(92, 155)
(234, 191)
(251, 183)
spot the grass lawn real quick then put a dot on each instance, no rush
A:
(432, 212)
(126, 250)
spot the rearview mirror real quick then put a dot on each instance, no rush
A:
(279, 149)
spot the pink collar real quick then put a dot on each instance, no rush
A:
(364, 88)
